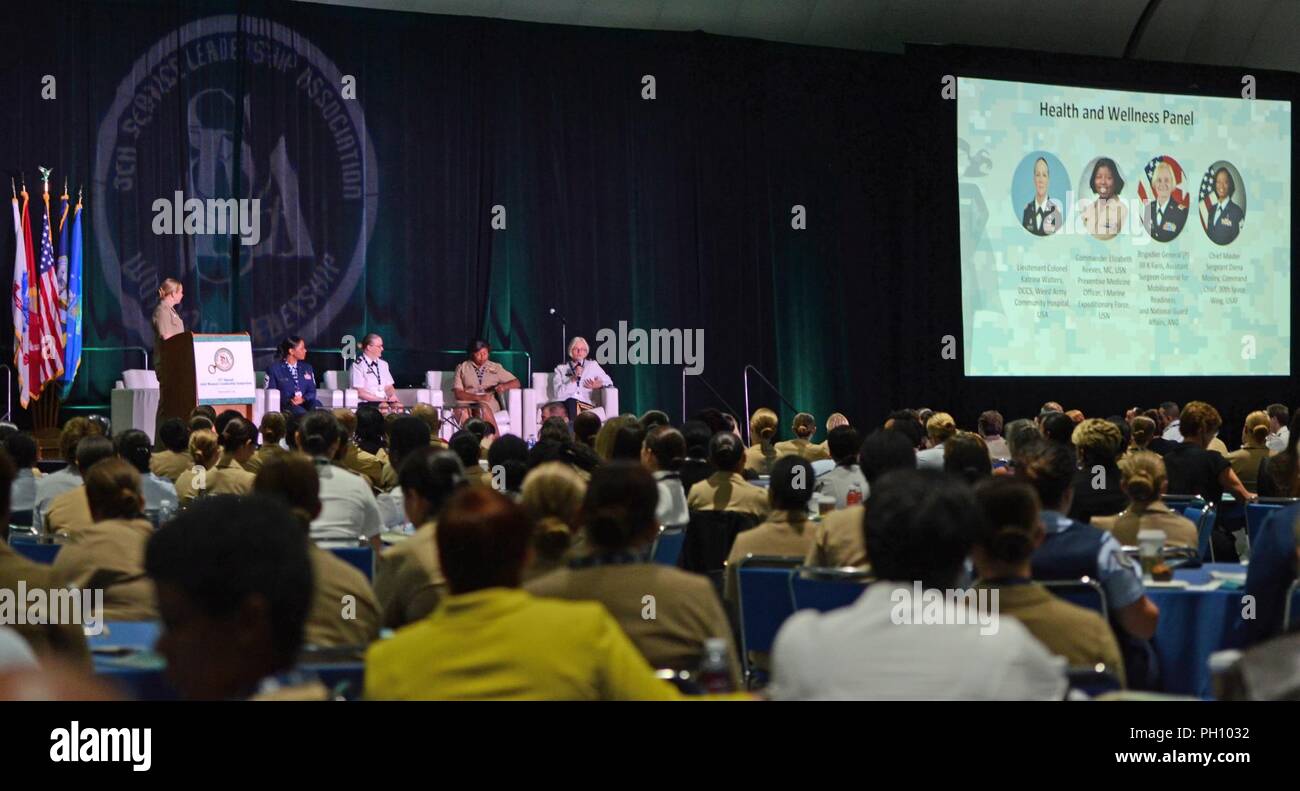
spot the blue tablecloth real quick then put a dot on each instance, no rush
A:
(1194, 624)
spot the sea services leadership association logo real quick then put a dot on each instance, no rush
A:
(266, 128)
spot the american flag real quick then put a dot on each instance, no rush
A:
(50, 345)
(1207, 196)
(1177, 196)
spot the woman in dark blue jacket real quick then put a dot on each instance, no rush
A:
(293, 377)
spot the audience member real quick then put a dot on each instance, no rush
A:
(787, 529)
(1143, 479)
(727, 489)
(966, 456)
(804, 427)
(919, 530)
(552, 497)
(489, 640)
(69, 513)
(663, 455)
(989, 427)
(938, 429)
(348, 508)
(134, 446)
(1097, 489)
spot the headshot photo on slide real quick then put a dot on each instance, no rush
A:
(1036, 186)
(1101, 200)
(1222, 202)
(1164, 202)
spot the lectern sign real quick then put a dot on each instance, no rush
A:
(223, 369)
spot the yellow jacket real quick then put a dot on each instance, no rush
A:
(506, 644)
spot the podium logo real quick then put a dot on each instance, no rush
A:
(210, 217)
(103, 745)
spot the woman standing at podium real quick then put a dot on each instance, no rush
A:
(166, 323)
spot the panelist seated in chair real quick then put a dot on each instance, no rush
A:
(371, 378)
(577, 378)
(478, 379)
(294, 377)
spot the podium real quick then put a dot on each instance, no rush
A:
(212, 369)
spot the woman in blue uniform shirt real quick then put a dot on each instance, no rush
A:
(293, 377)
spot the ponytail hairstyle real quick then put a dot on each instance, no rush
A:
(619, 509)
(291, 478)
(204, 448)
(169, 286)
(113, 490)
(134, 446)
(552, 496)
(762, 425)
(237, 433)
(287, 345)
(1010, 510)
(1257, 428)
(1143, 475)
(318, 432)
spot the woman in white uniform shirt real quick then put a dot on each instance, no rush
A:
(575, 379)
(348, 507)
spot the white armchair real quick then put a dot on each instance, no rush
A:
(264, 400)
(134, 401)
(339, 392)
(605, 401)
(442, 389)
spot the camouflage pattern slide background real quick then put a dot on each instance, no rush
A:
(1076, 298)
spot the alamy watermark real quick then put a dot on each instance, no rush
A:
(651, 347)
(927, 606)
(23, 606)
(208, 217)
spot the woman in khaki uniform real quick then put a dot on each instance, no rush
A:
(619, 523)
(481, 380)
(238, 444)
(109, 555)
(292, 478)
(166, 323)
(804, 426)
(205, 451)
(1143, 479)
(761, 455)
(1246, 460)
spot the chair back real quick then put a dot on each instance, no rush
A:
(1291, 612)
(363, 558)
(763, 598)
(1256, 513)
(337, 380)
(667, 548)
(709, 537)
(1085, 592)
(444, 381)
(825, 589)
(1203, 517)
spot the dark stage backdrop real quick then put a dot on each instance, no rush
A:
(377, 212)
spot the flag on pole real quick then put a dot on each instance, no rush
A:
(61, 259)
(51, 340)
(20, 303)
(72, 330)
(32, 354)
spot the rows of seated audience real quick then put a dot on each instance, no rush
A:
(509, 571)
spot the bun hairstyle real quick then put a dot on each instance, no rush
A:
(237, 433)
(804, 425)
(1144, 430)
(1010, 511)
(1257, 427)
(318, 432)
(552, 496)
(1143, 474)
(274, 427)
(113, 490)
(287, 345)
(204, 448)
(763, 425)
(169, 286)
(620, 505)
(133, 445)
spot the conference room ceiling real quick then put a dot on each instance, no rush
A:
(1256, 33)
